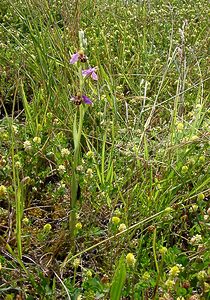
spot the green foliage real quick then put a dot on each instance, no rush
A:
(143, 160)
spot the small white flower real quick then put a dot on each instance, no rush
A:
(27, 145)
(15, 129)
(196, 239)
(89, 173)
(206, 217)
(18, 164)
(122, 227)
(65, 152)
(61, 168)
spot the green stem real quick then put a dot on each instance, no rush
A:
(18, 199)
(74, 181)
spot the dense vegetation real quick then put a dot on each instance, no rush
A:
(108, 200)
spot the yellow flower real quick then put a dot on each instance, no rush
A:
(193, 208)
(89, 172)
(146, 276)
(170, 283)
(61, 169)
(18, 164)
(206, 287)
(202, 275)
(184, 169)
(76, 262)
(130, 259)
(37, 140)
(47, 227)
(202, 159)
(115, 220)
(180, 126)
(89, 273)
(174, 271)
(78, 226)
(25, 221)
(3, 190)
(200, 197)
(90, 154)
(163, 250)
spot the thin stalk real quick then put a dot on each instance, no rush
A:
(18, 199)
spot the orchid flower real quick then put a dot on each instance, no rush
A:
(78, 56)
(81, 99)
(90, 72)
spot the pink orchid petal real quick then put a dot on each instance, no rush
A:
(94, 76)
(74, 58)
(86, 72)
(86, 100)
(90, 72)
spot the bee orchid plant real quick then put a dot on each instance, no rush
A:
(80, 100)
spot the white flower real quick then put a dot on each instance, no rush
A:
(61, 168)
(27, 145)
(196, 239)
(65, 152)
(122, 227)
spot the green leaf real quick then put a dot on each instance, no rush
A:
(118, 280)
